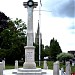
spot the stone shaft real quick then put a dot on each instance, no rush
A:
(30, 49)
(30, 38)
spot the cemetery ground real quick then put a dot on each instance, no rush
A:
(49, 63)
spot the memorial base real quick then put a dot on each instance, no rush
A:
(29, 65)
(29, 58)
(37, 71)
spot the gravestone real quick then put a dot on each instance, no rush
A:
(1, 68)
(16, 64)
(68, 68)
(56, 68)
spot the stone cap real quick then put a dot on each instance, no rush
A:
(34, 6)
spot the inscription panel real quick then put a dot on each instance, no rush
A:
(29, 56)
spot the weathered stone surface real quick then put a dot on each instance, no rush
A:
(62, 71)
(29, 49)
(1, 68)
(3, 61)
(68, 68)
(16, 64)
(56, 68)
(45, 64)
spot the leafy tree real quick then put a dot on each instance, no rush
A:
(37, 52)
(54, 49)
(14, 40)
(64, 56)
(3, 21)
(47, 50)
(3, 24)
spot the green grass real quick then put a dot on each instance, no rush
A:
(10, 67)
(50, 66)
(73, 69)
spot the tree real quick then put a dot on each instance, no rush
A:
(14, 40)
(3, 24)
(47, 50)
(55, 49)
(3, 21)
(65, 57)
(37, 52)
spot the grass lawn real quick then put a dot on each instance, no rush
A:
(50, 66)
(10, 67)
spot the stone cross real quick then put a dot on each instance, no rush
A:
(29, 49)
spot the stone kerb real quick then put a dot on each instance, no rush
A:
(56, 68)
(1, 68)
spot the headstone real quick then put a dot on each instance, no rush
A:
(56, 68)
(68, 68)
(16, 64)
(3, 61)
(1, 68)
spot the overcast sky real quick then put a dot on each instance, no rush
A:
(58, 19)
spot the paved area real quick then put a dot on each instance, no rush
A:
(10, 72)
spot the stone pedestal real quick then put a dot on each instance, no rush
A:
(37, 71)
(29, 58)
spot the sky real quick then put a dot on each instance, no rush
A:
(57, 19)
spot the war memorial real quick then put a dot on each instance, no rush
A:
(29, 66)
